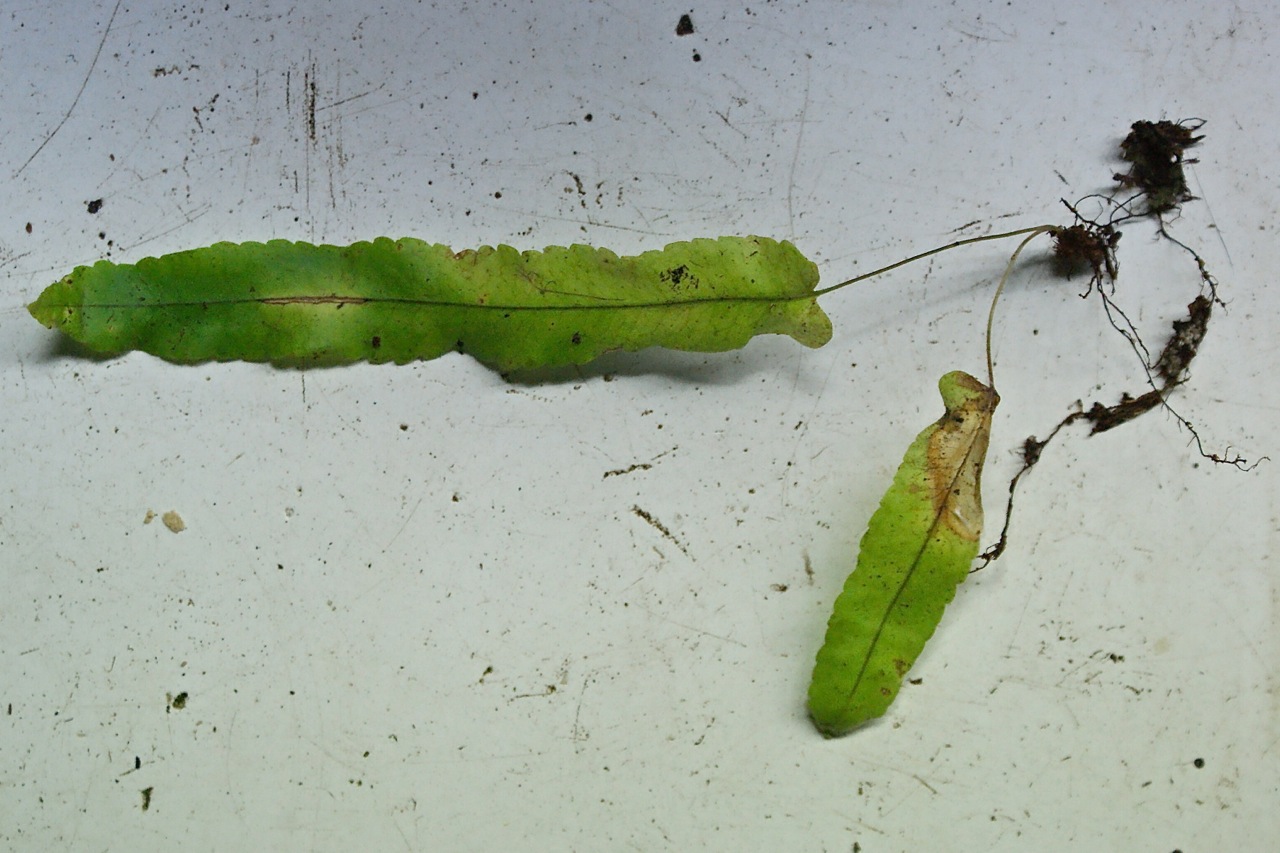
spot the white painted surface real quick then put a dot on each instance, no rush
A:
(411, 611)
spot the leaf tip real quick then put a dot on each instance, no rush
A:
(960, 389)
(837, 728)
(50, 308)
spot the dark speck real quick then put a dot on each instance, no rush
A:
(95, 205)
(685, 26)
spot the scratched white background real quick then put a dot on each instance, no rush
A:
(410, 611)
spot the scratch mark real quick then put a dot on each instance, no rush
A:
(391, 542)
(310, 91)
(1213, 220)
(795, 157)
(578, 734)
(309, 94)
(349, 99)
(83, 83)
(695, 630)
(932, 789)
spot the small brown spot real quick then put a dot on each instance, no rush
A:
(684, 27)
(376, 342)
(95, 205)
(577, 338)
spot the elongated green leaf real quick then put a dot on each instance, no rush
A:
(402, 300)
(917, 549)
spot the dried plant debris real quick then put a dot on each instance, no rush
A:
(1086, 246)
(1155, 150)
(1172, 366)
(1170, 370)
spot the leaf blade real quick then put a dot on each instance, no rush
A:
(404, 300)
(917, 549)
